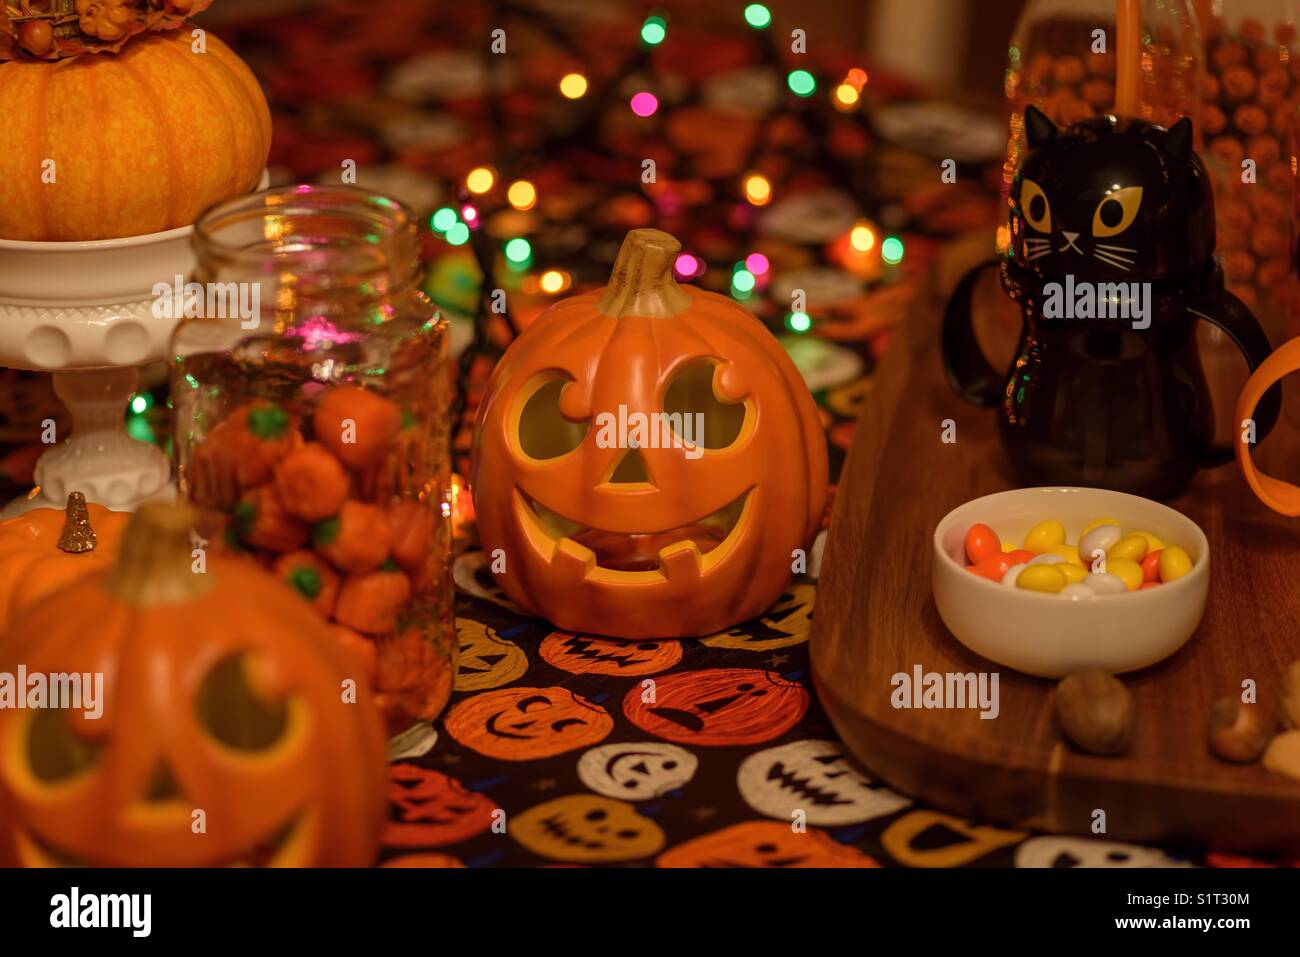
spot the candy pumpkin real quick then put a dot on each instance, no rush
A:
(141, 140)
(222, 693)
(47, 548)
(611, 517)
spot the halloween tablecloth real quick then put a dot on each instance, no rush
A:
(570, 748)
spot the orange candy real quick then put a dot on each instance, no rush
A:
(356, 425)
(310, 577)
(1151, 566)
(355, 540)
(992, 567)
(981, 542)
(369, 603)
(311, 483)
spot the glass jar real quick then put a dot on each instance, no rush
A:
(1059, 62)
(1251, 91)
(310, 384)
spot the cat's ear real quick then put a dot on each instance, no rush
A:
(1178, 144)
(1038, 128)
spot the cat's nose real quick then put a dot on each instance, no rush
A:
(1069, 236)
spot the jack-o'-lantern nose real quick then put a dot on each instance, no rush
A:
(162, 785)
(630, 469)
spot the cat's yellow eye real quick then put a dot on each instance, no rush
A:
(1116, 211)
(1033, 204)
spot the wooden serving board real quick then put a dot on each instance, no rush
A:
(875, 617)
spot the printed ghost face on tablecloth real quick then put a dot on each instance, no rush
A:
(637, 771)
(586, 829)
(764, 844)
(522, 724)
(1054, 851)
(814, 777)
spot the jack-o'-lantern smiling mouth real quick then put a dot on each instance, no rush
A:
(279, 849)
(685, 552)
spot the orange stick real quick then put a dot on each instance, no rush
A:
(1128, 29)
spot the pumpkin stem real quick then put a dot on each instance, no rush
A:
(155, 566)
(77, 535)
(642, 283)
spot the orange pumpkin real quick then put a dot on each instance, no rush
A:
(647, 457)
(48, 548)
(719, 707)
(220, 694)
(141, 141)
(764, 844)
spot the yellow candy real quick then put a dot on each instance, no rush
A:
(1073, 573)
(1174, 563)
(1009, 547)
(1127, 570)
(1048, 578)
(1069, 552)
(1045, 536)
(1097, 521)
(1153, 544)
(1130, 546)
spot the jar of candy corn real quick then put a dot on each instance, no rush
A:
(1251, 91)
(1063, 59)
(310, 384)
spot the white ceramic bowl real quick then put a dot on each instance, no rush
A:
(1050, 636)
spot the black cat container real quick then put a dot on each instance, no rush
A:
(1111, 261)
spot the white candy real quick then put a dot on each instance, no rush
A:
(1009, 579)
(1102, 537)
(1047, 558)
(1077, 591)
(1104, 583)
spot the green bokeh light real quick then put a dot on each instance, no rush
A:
(801, 83)
(518, 250)
(458, 234)
(743, 281)
(891, 250)
(799, 321)
(444, 219)
(758, 16)
(653, 31)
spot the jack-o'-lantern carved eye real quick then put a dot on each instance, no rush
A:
(54, 749)
(234, 713)
(695, 412)
(544, 432)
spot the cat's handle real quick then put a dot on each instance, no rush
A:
(1230, 314)
(1278, 495)
(968, 372)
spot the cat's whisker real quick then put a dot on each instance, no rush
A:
(1115, 256)
(1118, 264)
(1030, 257)
(1116, 249)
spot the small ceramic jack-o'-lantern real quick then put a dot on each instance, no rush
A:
(647, 458)
(48, 548)
(224, 702)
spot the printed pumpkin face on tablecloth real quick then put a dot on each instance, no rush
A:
(587, 829)
(433, 809)
(647, 458)
(764, 844)
(717, 706)
(221, 691)
(592, 655)
(784, 624)
(485, 659)
(522, 724)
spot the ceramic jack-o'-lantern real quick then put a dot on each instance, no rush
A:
(48, 548)
(647, 459)
(228, 727)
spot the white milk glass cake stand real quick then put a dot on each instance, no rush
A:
(84, 311)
